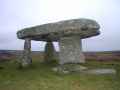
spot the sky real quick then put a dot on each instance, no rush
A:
(18, 14)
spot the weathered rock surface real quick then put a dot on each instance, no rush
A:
(26, 57)
(53, 31)
(68, 68)
(100, 71)
(70, 50)
(68, 33)
(49, 52)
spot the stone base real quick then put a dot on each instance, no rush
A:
(26, 63)
(68, 68)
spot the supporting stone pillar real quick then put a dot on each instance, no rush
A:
(49, 52)
(71, 53)
(26, 59)
(71, 50)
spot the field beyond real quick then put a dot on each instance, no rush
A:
(41, 77)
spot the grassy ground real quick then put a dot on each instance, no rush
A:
(41, 77)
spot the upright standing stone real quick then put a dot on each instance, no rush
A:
(70, 50)
(27, 60)
(49, 52)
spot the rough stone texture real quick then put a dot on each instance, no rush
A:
(54, 31)
(70, 50)
(100, 71)
(49, 52)
(68, 33)
(26, 59)
(68, 68)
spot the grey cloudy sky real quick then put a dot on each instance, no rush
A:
(18, 14)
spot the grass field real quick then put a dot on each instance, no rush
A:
(41, 77)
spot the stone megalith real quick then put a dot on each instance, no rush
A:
(49, 55)
(70, 50)
(68, 33)
(26, 58)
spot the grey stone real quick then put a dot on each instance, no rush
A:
(55, 69)
(70, 50)
(54, 31)
(100, 71)
(68, 33)
(49, 52)
(73, 67)
(68, 68)
(60, 70)
(26, 58)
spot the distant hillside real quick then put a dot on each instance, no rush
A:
(101, 56)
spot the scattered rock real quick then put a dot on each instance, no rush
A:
(100, 71)
(69, 68)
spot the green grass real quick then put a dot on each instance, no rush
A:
(41, 77)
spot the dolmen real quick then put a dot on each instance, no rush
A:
(67, 33)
